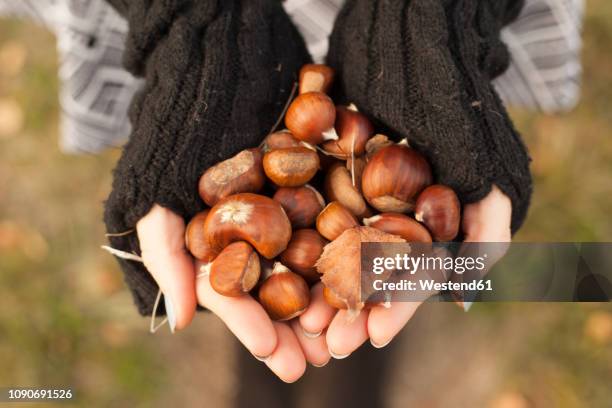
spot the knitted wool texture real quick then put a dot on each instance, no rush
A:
(218, 74)
(423, 69)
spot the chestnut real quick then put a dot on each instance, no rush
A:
(393, 177)
(302, 253)
(334, 220)
(354, 129)
(439, 209)
(376, 143)
(242, 173)
(279, 140)
(316, 78)
(311, 118)
(399, 224)
(195, 239)
(301, 204)
(333, 300)
(253, 218)
(236, 270)
(284, 294)
(292, 166)
(339, 187)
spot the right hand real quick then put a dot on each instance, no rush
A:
(485, 221)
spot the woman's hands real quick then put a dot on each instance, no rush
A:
(488, 220)
(162, 243)
(318, 334)
(485, 221)
(283, 347)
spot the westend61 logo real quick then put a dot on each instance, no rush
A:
(404, 263)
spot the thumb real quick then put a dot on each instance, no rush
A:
(162, 242)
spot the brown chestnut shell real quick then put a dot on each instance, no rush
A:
(236, 270)
(401, 225)
(334, 220)
(316, 78)
(195, 238)
(303, 252)
(354, 129)
(339, 187)
(376, 143)
(242, 173)
(279, 140)
(292, 166)
(393, 177)
(284, 294)
(253, 218)
(438, 207)
(311, 118)
(302, 204)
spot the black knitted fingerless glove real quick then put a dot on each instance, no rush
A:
(423, 70)
(218, 73)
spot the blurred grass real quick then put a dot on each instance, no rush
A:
(65, 318)
(57, 328)
(572, 153)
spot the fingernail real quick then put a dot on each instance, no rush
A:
(319, 365)
(338, 356)
(311, 335)
(170, 314)
(379, 346)
(262, 359)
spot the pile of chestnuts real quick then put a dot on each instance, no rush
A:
(294, 211)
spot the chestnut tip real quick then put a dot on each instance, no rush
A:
(330, 134)
(371, 220)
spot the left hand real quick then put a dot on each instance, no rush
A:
(485, 221)
(284, 350)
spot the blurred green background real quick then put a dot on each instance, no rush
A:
(66, 319)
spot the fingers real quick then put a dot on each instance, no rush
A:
(345, 335)
(385, 323)
(314, 348)
(161, 235)
(274, 343)
(489, 219)
(287, 361)
(319, 314)
(243, 316)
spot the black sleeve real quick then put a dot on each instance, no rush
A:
(218, 74)
(423, 69)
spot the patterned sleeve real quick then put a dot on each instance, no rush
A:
(544, 74)
(544, 43)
